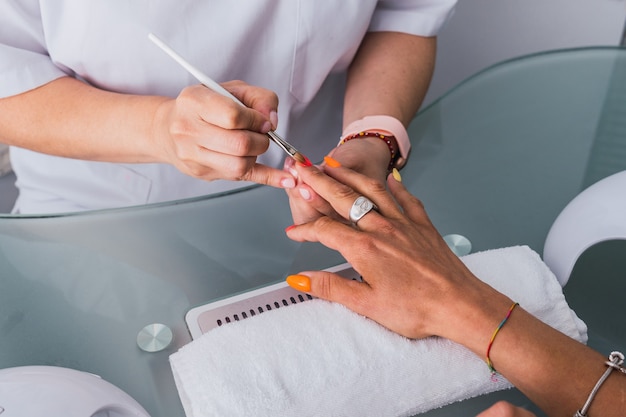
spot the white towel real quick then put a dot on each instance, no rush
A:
(320, 359)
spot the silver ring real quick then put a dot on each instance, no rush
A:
(360, 207)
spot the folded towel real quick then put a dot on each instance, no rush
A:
(320, 359)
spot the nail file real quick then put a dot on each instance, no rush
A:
(248, 304)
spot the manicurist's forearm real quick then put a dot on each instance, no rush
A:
(104, 126)
(389, 75)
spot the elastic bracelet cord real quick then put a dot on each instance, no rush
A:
(493, 337)
(616, 359)
(390, 140)
(389, 126)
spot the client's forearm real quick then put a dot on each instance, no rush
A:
(556, 372)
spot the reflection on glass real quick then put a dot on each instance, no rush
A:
(495, 160)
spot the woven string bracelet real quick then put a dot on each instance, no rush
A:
(493, 337)
(616, 359)
(388, 139)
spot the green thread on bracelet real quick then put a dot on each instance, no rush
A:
(493, 337)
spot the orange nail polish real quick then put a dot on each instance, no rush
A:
(288, 228)
(331, 162)
(299, 282)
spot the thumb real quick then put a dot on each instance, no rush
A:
(331, 287)
(263, 174)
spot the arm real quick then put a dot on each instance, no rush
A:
(389, 75)
(430, 284)
(200, 132)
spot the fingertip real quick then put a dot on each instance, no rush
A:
(396, 175)
(299, 282)
(305, 193)
(394, 180)
(267, 126)
(288, 182)
(302, 160)
(331, 162)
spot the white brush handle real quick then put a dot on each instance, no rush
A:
(209, 83)
(200, 76)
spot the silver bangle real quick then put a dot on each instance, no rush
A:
(616, 359)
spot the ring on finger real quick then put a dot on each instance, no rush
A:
(361, 206)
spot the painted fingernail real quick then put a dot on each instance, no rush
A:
(306, 161)
(274, 119)
(288, 183)
(299, 282)
(396, 175)
(331, 162)
(288, 228)
(293, 172)
(305, 193)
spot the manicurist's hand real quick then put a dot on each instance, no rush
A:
(413, 283)
(209, 136)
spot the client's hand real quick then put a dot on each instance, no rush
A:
(305, 204)
(414, 285)
(368, 156)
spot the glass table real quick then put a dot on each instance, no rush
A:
(495, 160)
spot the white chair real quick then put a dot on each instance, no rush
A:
(597, 214)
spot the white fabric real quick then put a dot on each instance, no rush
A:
(320, 359)
(5, 161)
(297, 48)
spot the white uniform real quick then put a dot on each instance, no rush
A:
(297, 48)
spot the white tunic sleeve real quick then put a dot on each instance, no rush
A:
(24, 60)
(417, 17)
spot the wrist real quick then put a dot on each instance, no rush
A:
(369, 156)
(387, 128)
(380, 137)
(158, 136)
(472, 319)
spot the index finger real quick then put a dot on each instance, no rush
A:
(263, 174)
(222, 111)
(330, 233)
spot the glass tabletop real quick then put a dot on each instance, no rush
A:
(494, 160)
